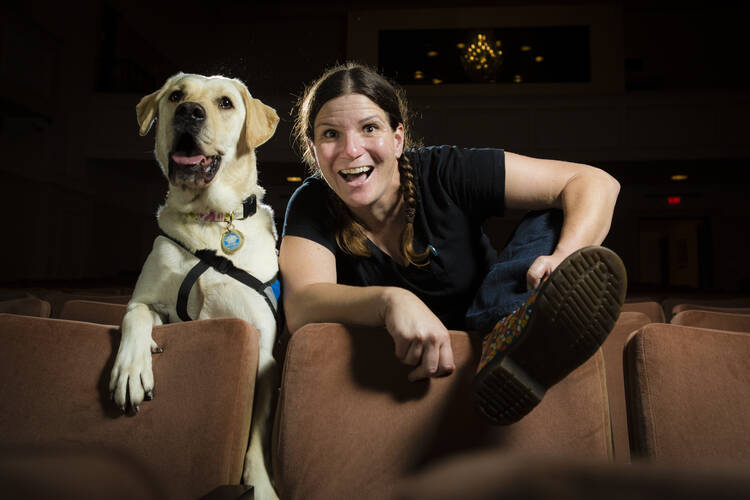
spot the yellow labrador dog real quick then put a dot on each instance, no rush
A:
(216, 255)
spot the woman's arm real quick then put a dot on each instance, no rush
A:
(587, 196)
(311, 295)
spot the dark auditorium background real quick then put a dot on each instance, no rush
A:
(656, 93)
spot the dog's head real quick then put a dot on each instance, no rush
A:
(203, 123)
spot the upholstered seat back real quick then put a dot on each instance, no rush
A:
(54, 377)
(689, 394)
(349, 424)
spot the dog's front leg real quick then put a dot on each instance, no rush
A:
(132, 378)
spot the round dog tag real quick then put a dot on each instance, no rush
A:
(231, 241)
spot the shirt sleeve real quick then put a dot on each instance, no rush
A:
(473, 178)
(307, 214)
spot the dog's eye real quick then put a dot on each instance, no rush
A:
(175, 96)
(225, 103)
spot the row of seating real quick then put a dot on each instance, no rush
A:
(45, 302)
(660, 400)
(106, 306)
(666, 307)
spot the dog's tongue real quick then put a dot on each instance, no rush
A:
(182, 159)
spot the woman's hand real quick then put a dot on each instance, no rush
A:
(420, 337)
(543, 267)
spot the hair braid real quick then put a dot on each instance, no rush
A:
(409, 192)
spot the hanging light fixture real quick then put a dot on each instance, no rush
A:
(481, 57)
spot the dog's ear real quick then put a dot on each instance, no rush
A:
(146, 110)
(260, 120)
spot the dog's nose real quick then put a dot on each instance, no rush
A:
(190, 112)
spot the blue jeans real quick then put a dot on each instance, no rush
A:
(504, 288)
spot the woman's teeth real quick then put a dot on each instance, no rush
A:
(354, 172)
(357, 170)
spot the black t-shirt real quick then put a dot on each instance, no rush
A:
(458, 189)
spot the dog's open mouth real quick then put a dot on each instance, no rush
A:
(189, 167)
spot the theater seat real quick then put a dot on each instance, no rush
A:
(105, 313)
(652, 309)
(729, 301)
(689, 395)
(192, 437)
(26, 306)
(613, 349)
(57, 298)
(688, 307)
(349, 424)
(713, 319)
(63, 471)
(499, 475)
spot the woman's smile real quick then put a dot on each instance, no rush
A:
(356, 175)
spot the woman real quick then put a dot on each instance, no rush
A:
(383, 235)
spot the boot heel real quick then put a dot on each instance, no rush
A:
(505, 393)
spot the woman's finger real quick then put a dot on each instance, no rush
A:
(429, 365)
(446, 365)
(413, 354)
(537, 271)
(402, 347)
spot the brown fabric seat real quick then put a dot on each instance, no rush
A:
(57, 298)
(689, 307)
(689, 394)
(105, 313)
(71, 472)
(670, 303)
(349, 424)
(26, 306)
(713, 319)
(613, 349)
(54, 377)
(497, 475)
(651, 309)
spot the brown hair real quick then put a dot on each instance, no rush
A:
(352, 78)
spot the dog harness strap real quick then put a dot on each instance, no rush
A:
(264, 289)
(270, 291)
(186, 286)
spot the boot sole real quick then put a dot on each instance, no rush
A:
(574, 312)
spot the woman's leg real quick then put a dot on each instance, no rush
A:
(557, 327)
(504, 288)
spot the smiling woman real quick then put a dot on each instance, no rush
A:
(352, 133)
(357, 153)
(387, 235)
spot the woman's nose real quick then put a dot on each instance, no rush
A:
(353, 145)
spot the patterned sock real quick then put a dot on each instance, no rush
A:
(505, 331)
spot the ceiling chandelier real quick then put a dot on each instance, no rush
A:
(482, 57)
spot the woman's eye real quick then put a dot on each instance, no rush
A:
(329, 134)
(370, 128)
(225, 103)
(175, 96)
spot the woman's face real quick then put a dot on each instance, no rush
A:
(357, 152)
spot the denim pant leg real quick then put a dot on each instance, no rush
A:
(504, 288)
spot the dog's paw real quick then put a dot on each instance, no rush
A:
(132, 379)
